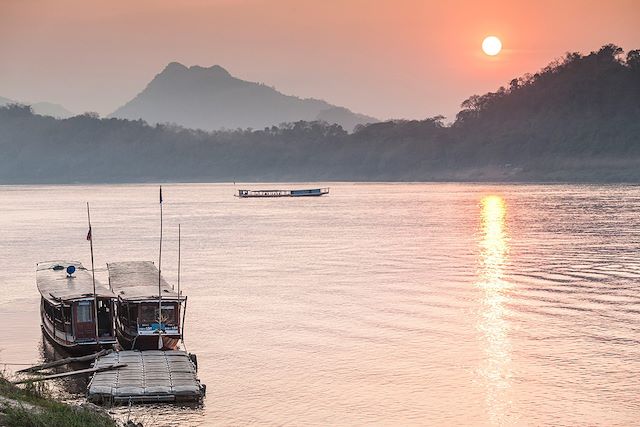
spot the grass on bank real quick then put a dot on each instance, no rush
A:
(35, 407)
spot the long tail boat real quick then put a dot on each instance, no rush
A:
(282, 193)
(148, 307)
(73, 316)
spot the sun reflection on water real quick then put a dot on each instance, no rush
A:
(495, 369)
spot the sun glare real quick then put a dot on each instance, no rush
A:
(495, 298)
(491, 45)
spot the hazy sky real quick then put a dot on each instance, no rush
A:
(390, 59)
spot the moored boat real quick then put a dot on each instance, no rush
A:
(283, 193)
(72, 315)
(148, 307)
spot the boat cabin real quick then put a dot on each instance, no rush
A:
(68, 308)
(146, 319)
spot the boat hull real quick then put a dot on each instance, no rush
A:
(74, 349)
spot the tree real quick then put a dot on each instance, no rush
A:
(609, 52)
(633, 59)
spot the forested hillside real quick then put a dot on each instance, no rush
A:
(578, 119)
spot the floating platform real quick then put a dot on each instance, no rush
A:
(149, 376)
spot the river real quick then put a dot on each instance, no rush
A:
(383, 304)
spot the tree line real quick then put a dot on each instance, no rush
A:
(578, 119)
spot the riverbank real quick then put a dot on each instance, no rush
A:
(32, 405)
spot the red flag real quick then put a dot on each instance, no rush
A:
(89, 234)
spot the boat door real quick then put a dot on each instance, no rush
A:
(83, 316)
(105, 318)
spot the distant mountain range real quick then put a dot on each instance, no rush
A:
(578, 119)
(42, 108)
(212, 99)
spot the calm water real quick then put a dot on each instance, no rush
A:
(440, 304)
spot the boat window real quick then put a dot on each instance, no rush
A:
(148, 313)
(45, 307)
(84, 312)
(132, 309)
(67, 319)
(57, 314)
(169, 314)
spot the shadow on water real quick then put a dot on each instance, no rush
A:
(68, 388)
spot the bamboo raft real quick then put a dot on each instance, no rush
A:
(149, 376)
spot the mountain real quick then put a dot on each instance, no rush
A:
(212, 99)
(577, 119)
(42, 108)
(50, 109)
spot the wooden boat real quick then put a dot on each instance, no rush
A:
(283, 193)
(146, 319)
(68, 308)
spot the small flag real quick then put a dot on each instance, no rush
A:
(161, 194)
(89, 234)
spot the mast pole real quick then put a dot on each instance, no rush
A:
(179, 303)
(160, 268)
(178, 261)
(93, 275)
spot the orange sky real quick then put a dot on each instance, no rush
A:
(390, 59)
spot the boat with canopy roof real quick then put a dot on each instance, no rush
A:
(149, 309)
(75, 316)
(282, 193)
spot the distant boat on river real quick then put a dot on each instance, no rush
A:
(283, 193)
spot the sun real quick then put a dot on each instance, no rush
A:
(491, 45)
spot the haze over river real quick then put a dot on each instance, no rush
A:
(384, 304)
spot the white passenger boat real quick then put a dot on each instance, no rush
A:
(283, 193)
